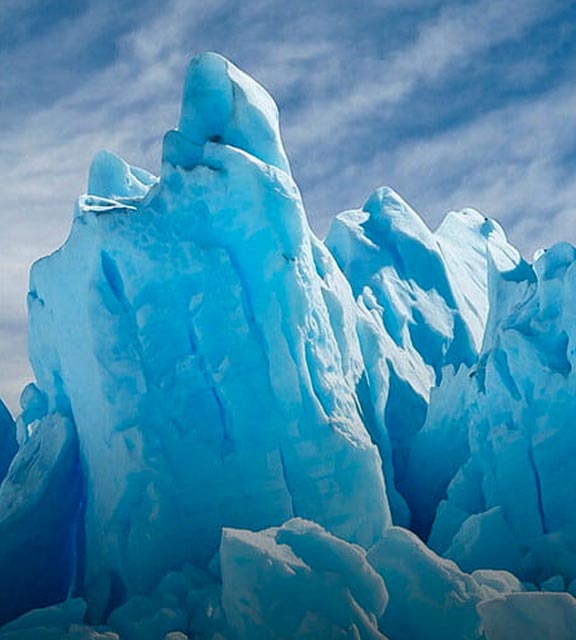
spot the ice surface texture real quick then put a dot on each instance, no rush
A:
(331, 588)
(299, 581)
(39, 511)
(8, 443)
(427, 293)
(508, 501)
(225, 407)
(205, 344)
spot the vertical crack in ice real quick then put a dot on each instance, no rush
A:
(317, 392)
(77, 533)
(209, 380)
(115, 283)
(501, 365)
(226, 439)
(113, 278)
(287, 483)
(538, 483)
(75, 553)
(77, 583)
(248, 309)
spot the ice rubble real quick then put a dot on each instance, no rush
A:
(299, 581)
(332, 589)
(225, 407)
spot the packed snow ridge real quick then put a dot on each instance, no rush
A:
(238, 431)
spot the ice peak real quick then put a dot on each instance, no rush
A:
(224, 105)
(111, 177)
(554, 262)
(391, 213)
(396, 223)
(383, 199)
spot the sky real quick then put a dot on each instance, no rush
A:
(464, 103)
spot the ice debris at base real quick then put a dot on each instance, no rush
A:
(331, 589)
(299, 581)
(529, 616)
(231, 418)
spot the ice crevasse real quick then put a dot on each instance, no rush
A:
(229, 415)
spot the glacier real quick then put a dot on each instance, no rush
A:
(40, 502)
(517, 402)
(8, 440)
(193, 427)
(428, 294)
(239, 431)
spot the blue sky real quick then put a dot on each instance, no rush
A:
(454, 104)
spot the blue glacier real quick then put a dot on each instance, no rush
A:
(254, 394)
(8, 441)
(517, 402)
(40, 502)
(240, 431)
(428, 294)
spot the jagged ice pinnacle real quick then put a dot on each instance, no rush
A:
(203, 342)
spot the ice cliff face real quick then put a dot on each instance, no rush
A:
(40, 515)
(8, 444)
(511, 415)
(204, 344)
(225, 407)
(427, 293)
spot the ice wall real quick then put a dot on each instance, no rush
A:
(40, 509)
(8, 444)
(217, 407)
(205, 344)
(427, 293)
(506, 502)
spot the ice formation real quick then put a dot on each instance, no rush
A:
(234, 425)
(8, 444)
(204, 343)
(39, 509)
(507, 502)
(332, 589)
(427, 292)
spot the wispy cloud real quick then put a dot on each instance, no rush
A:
(362, 111)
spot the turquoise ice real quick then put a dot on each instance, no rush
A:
(234, 425)
(204, 344)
